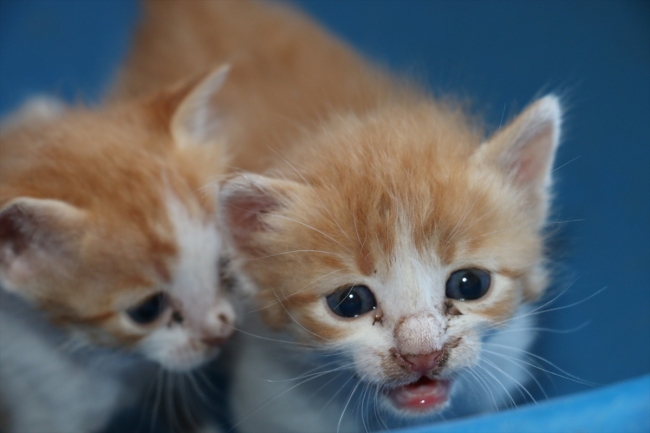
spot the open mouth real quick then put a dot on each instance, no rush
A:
(424, 395)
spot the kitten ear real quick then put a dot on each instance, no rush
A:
(525, 149)
(245, 203)
(194, 120)
(35, 237)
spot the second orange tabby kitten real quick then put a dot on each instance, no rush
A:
(110, 255)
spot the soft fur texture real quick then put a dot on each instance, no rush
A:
(366, 182)
(99, 211)
(397, 201)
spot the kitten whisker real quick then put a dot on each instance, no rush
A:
(73, 345)
(564, 307)
(533, 311)
(566, 163)
(298, 291)
(567, 375)
(575, 303)
(319, 365)
(206, 380)
(356, 230)
(468, 208)
(295, 343)
(378, 410)
(185, 396)
(512, 400)
(467, 383)
(175, 407)
(294, 320)
(485, 386)
(338, 428)
(146, 397)
(156, 407)
(335, 394)
(364, 395)
(292, 220)
(519, 385)
(502, 116)
(483, 235)
(317, 373)
(514, 361)
(309, 227)
(197, 388)
(466, 229)
(325, 385)
(549, 330)
(169, 402)
(566, 221)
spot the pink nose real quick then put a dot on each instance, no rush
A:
(424, 363)
(220, 328)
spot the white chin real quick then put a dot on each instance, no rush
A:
(187, 361)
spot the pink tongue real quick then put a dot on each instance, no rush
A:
(421, 396)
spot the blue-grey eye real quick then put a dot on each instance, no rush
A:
(468, 284)
(352, 301)
(149, 310)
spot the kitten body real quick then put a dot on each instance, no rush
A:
(395, 247)
(109, 256)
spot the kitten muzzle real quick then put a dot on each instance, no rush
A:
(422, 396)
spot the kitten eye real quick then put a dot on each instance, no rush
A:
(149, 310)
(352, 301)
(468, 284)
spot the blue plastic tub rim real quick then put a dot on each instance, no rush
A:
(623, 407)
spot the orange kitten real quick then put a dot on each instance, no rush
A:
(407, 245)
(109, 254)
(389, 238)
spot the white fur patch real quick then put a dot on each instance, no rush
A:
(46, 384)
(195, 294)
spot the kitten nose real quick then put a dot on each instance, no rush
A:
(219, 324)
(424, 363)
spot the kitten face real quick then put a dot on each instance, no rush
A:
(105, 226)
(400, 242)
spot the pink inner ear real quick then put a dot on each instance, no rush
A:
(25, 244)
(534, 157)
(245, 212)
(526, 148)
(36, 234)
(12, 237)
(244, 218)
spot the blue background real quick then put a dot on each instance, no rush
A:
(501, 55)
